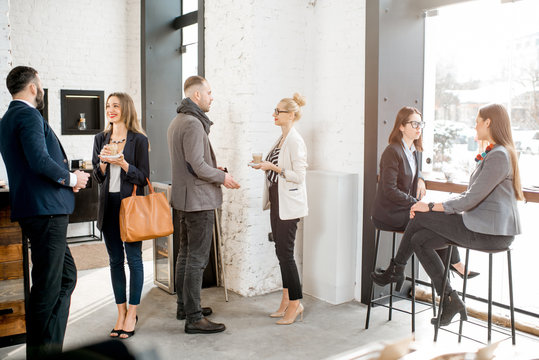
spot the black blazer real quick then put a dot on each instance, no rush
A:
(397, 188)
(36, 164)
(136, 154)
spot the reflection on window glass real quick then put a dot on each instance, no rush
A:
(478, 53)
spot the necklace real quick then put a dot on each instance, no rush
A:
(117, 141)
(481, 156)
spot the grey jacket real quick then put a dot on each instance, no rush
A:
(489, 204)
(196, 182)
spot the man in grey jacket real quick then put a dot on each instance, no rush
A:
(196, 193)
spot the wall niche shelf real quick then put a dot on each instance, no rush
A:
(89, 102)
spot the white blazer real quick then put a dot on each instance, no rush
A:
(292, 188)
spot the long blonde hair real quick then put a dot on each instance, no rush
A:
(500, 131)
(129, 113)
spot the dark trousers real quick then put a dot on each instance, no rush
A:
(455, 257)
(115, 249)
(431, 231)
(284, 235)
(194, 231)
(54, 276)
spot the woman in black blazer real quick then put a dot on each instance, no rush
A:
(401, 184)
(121, 160)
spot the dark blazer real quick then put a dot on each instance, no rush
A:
(36, 164)
(489, 205)
(397, 188)
(136, 154)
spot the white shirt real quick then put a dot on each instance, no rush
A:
(72, 177)
(114, 178)
(410, 156)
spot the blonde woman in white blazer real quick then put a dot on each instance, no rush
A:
(285, 194)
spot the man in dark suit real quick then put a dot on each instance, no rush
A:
(41, 194)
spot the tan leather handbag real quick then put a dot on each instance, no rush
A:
(145, 217)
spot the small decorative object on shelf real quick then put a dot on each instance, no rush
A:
(82, 122)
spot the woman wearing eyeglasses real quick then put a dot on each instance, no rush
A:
(285, 194)
(401, 184)
(484, 217)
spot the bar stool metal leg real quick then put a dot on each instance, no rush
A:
(511, 304)
(461, 322)
(489, 298)
(413, 293)
(391, 284)
(377, 241)
(442, 295)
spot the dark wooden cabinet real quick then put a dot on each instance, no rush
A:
(14, 277)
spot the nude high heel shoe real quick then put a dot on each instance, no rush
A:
(278, 314)
(299, 311)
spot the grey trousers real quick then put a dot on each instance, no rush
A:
(194, 229)
(431, 231)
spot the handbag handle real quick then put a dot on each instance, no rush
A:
(150, 187)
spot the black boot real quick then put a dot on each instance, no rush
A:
(394, 273)
(451, 306)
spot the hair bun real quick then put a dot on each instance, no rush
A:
(299, 99)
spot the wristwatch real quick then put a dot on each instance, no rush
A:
(431, 205)
(282, 173)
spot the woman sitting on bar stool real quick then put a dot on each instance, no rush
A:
(401, 185)
(484, 217)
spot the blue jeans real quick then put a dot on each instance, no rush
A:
(194, 230)
(115, 248)
(54, 276)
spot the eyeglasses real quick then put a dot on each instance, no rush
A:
(277, 111)
(416, 124)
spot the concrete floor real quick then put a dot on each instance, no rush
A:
(326, 330)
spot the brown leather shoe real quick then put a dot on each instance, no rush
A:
(206, 311)
(204, 326)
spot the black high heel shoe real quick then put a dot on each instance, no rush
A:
(393, 274)
(471, 274)
(128, 333)
(451, 306)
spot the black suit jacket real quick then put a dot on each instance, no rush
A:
(36, 164)
(136, 154)
(397, 188)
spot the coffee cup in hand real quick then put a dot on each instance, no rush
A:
(257, 158)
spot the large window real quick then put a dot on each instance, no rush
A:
(476, 53)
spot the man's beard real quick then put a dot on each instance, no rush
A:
(40, 104)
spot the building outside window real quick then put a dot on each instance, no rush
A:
(476, 53)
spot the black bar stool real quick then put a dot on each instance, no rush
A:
(489, 318)
(377, 301)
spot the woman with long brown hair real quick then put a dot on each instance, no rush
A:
(120, 161)
(484, 217)
(401, 183)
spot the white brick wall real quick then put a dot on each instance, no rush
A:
(257, 53)
(83, 44)
(5, 65)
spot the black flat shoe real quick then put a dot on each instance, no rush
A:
(471, 274)
(206, 311)
(204, 326)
